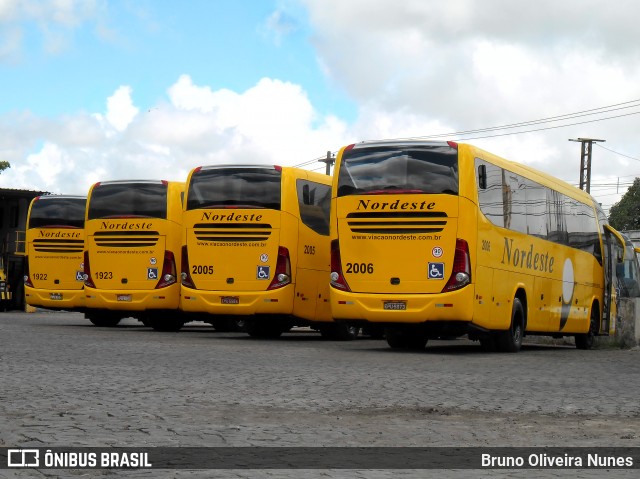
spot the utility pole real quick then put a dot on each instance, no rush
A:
(585, 162)
(329, 161)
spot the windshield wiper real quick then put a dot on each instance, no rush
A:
(390, 191)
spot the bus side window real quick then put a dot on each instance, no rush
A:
(314, 209)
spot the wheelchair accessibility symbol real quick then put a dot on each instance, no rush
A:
(152, 273)
(263, 272)
(436, 270)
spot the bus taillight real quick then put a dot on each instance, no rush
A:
(27, 278)
(282, 276)
(337, 279)
(185, 276)
(169, 275)
(88, 280)
(461, 274)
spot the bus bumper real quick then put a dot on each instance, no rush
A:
(418, 308)
(67, 299)
(240, 303)
(133, 300)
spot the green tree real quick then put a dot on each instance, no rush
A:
(4, 165)
(625, 214)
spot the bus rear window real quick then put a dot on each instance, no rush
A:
(57, 213)
(125, 200)
(399, 169)
(234, 188)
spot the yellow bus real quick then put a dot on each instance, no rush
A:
(132, 253)
(439, 239)
(54, 242)
(257, 248)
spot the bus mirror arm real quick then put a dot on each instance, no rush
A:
(482, 177)
(620, 240)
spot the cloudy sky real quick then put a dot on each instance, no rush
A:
(96, 90)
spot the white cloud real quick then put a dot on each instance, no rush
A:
(120, 109)
(273, 122)
(55, 19)
(424, 66)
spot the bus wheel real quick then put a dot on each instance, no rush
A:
(263, 329)
(103, 320)
(374, 331)
(488, 343)
(166, 325)
(227, 325)
(585, 341)
(510, 341)
(402, 339)
(340, 332)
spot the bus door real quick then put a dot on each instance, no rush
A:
(613, 254)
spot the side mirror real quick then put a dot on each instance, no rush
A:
(482, 177)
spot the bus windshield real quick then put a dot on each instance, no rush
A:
(392, 169)
(128, 199)
(57, 212)
(235, 187)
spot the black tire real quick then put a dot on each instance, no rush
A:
(226, 325)
(488, 343)
(166, 325)
(585, 341)
(263, 329)
(103, 320)
(510, 341)
(404, 339)
(340, 332)
(374, 331)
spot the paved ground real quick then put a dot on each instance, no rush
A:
(66, 383)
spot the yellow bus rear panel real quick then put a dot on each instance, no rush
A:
(241, 303)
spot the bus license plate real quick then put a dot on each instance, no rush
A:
(230, 300)
(55, 296)
(124, 297)
(395, 305)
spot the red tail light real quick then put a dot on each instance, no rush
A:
(282, 276)
(185, 276)
(337, 278)
(169, 275)
(461, 274)
(88, 280)
(27, 278)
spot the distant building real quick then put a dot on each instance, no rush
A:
(14, 206)
(634, 236)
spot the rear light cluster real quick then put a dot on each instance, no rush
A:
(185, 276)
(27, 277)
(337, 278)
(88, 280)
(461, 274)
(169, 274)
(282, 276)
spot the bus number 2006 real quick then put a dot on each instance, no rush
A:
(360, 268)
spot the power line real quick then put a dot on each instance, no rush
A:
(567, 116)
(617, 153)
